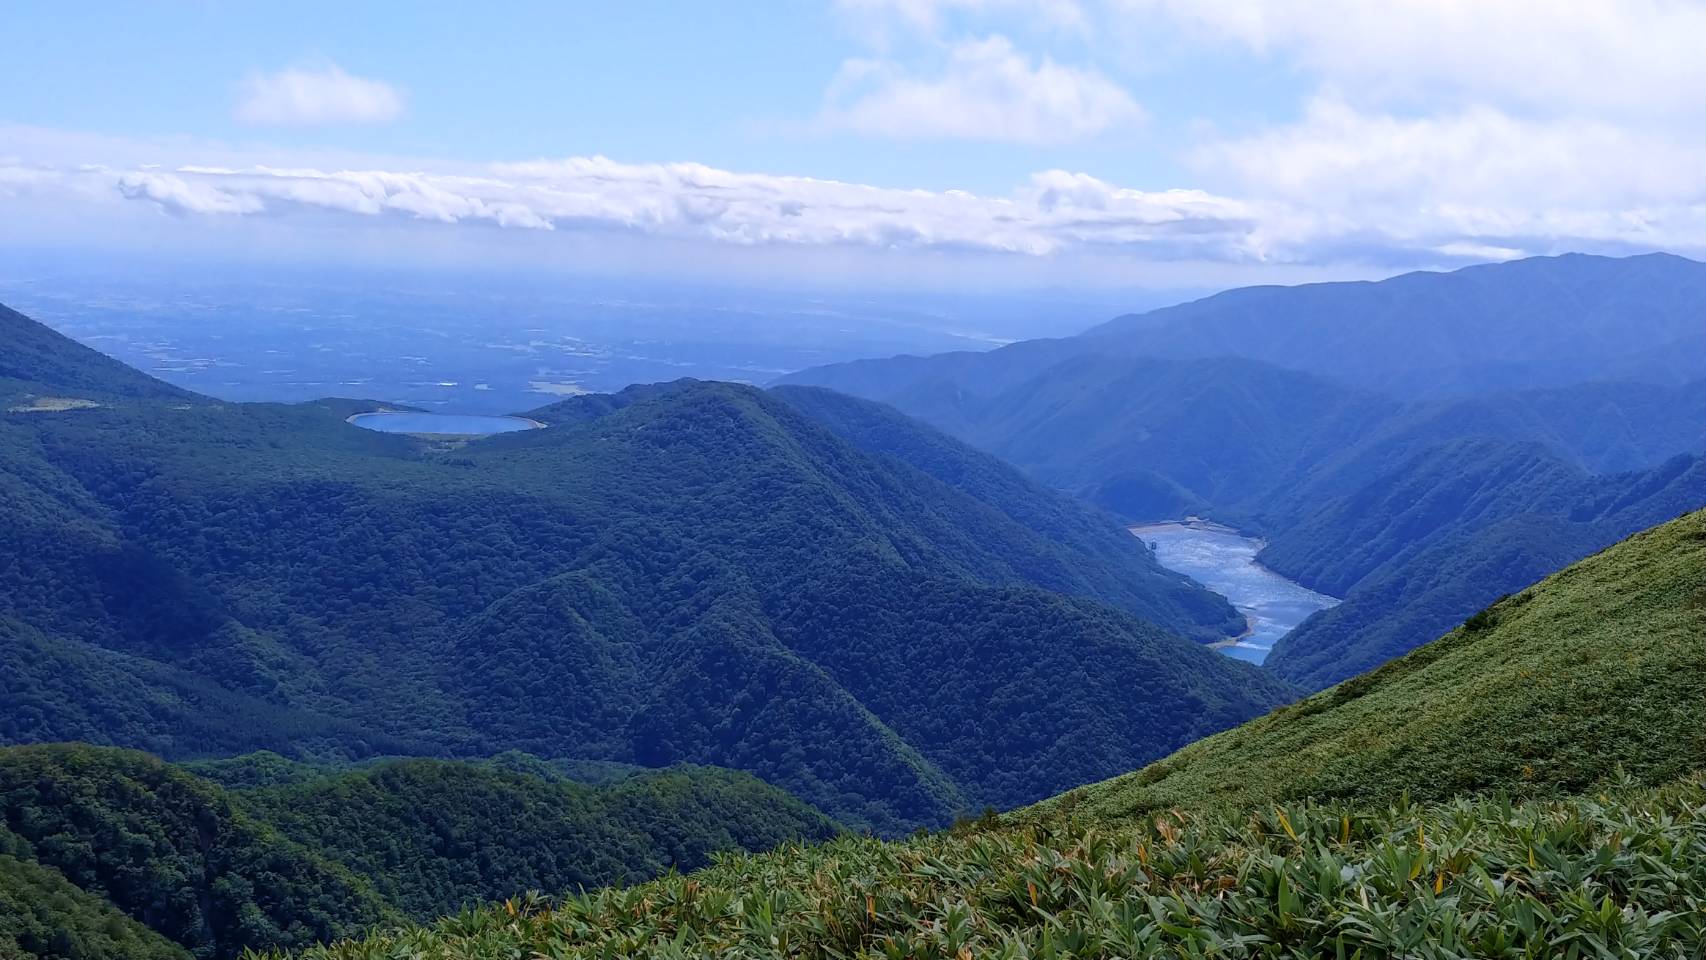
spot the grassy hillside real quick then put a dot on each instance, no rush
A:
(1519, 788)
(1617, 876)
(113, 854)
(1594, 670)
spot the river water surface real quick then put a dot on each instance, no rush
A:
(1225, 562)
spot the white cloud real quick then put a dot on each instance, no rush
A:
(1055, 213)
(1631, 57)
(986, 90)
(315, 96)
(177, 195)
(1476, 175)
(1342, 185)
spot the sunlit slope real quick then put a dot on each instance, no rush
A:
(1613, 876)
(1298, 834)
(1599, 668)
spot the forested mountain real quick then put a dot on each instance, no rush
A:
(37, 359)
(1313, 417)
(1523, 787)
(139, 855)
(686, 573)
(1543, 321)
(1412, 552)
(174, 853)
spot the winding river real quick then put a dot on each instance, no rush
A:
(1224, 561)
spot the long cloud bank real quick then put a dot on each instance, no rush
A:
(1351, 189)
(1054, 212)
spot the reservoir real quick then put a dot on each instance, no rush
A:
(1225, 562)
(441, 424)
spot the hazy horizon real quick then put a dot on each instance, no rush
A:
(893, 146)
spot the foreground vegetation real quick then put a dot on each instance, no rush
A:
(1622, 875)
(1555, 738)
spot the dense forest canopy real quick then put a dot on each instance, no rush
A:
(141, 854)
(680, 573)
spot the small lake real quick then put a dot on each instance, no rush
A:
(1225, 562)
(441, 424)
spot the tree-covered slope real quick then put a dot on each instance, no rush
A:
(1592, 671)
(435, 836)
(632, 585)
(1416, 513)
(173, 853)
(39, 363)
(1486, 796)
(112, 854)
(44, 916)
(1065, 521)
(1433, 543)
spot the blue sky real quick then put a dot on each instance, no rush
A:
(929, 142)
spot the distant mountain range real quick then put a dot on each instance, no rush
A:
(1545, 321)
(1418, 446)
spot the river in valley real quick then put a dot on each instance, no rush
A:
(1225, 562)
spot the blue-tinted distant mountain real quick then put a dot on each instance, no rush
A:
(1546, 321)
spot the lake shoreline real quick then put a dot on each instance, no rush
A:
(530, 423)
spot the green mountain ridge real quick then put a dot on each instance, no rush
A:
(645, 582)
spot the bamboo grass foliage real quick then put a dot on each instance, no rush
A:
(1618, 874)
